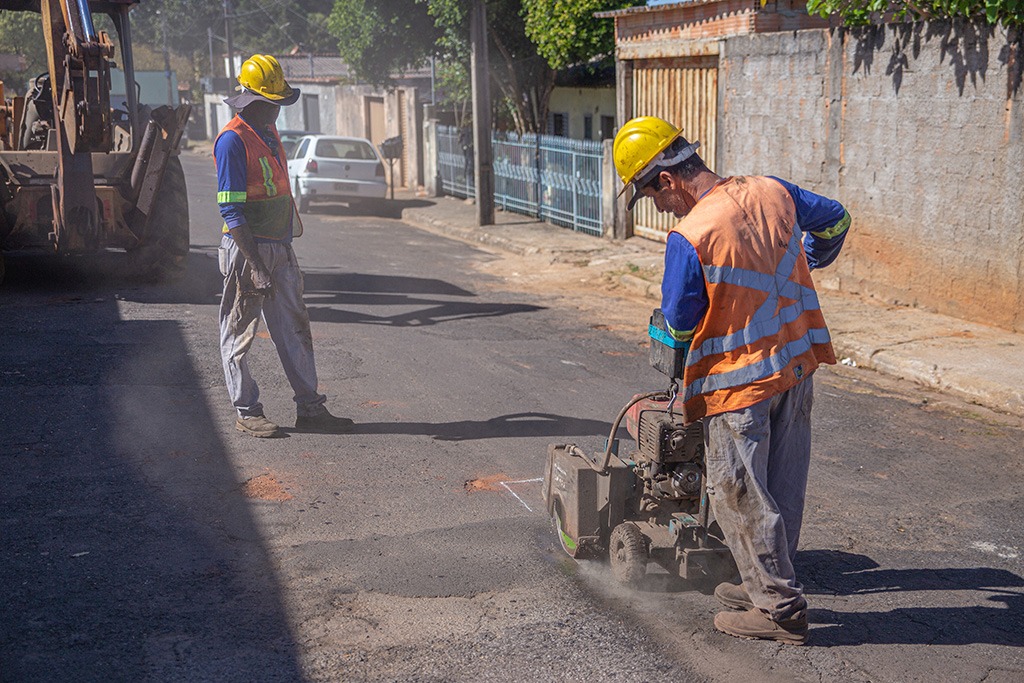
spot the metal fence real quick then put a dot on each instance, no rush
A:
(552, 178)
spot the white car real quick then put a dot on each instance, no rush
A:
(332, 168)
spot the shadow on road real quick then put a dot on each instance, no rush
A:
(319, 283)
(433, 312)
(329, 296)
(840, 573)
(324, 292)
(514, 425)
(106, 274)
(386, 208)
(129, 550)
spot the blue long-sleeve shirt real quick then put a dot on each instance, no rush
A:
(684, 296)
(232, 167)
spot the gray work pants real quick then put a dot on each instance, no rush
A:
(757, 461)
(287, 322)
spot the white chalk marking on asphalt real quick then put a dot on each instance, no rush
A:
(521, 481)
(1004, 551)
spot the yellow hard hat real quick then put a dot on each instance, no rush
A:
(640, 142)
(262, 75)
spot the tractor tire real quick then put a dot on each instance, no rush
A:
(162, 256)
(627, 553)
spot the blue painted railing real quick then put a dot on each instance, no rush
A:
(553, 178)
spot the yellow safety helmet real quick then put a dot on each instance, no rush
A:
(262, 75)
(639, 144)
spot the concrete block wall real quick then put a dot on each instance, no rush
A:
(294, 117)
(918, 130)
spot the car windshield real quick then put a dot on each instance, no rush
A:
(345, 149)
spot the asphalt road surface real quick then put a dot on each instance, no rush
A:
(144, 539)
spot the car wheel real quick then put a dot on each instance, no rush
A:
(300, 199)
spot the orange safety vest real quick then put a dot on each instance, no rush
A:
(763, 331)
(267, 201)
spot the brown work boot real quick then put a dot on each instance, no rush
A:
(323, 423)
(733, 596)
(256, 425)
(756, 624)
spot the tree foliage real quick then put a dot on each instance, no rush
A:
(566, 31)
(21, 33)
(379, 38)
(861, 12)
(267, 26)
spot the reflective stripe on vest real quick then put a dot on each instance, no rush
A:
(268, 177)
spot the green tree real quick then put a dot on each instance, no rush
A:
(861, 12)
(567, 33)
(379, 38)
(524, 78)
(21, 34)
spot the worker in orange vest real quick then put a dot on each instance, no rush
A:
(261, 274)
(737, 292)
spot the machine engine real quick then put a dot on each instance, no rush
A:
(669, 457)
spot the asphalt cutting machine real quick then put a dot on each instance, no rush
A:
(650, 504)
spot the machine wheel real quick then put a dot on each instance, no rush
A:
(627, 552)
(301, 200)
(163, 255)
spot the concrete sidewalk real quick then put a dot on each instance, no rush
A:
(982, 365)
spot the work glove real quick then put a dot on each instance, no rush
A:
(261, 282)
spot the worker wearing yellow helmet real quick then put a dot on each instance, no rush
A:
(262, 79)
(261, 274)
(737, 294)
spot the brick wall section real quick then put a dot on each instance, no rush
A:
(713, 19)
(708, 20)
(927, 156)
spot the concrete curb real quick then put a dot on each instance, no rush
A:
(642, 287)
(424, 219)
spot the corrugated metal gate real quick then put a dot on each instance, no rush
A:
(683, 91)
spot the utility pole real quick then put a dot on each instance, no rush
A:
(231, 47)
(209, 37)
(483, 167)
(167, 60)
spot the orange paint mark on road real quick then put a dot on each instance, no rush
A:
(263, 334)
(265, 487)
(490, 483)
